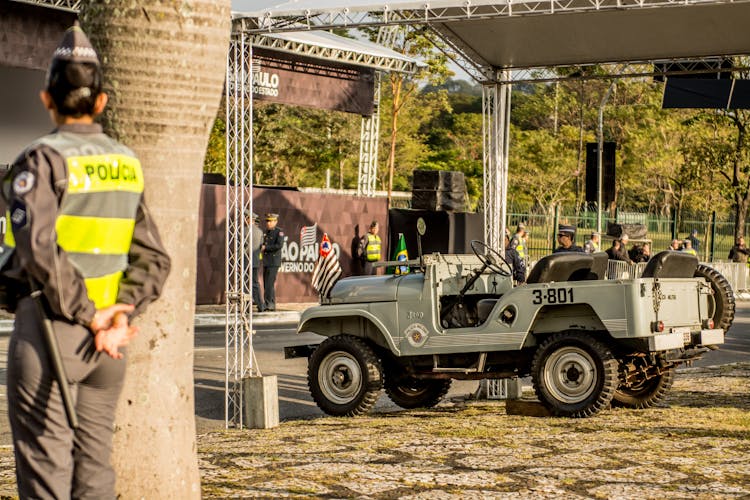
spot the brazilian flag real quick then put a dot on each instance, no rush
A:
(401, 255)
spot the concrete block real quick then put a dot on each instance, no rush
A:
(526, 408)
(515, 388)
(261, 398)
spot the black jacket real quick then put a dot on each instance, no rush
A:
(273, 242)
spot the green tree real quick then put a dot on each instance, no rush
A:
(401, 89)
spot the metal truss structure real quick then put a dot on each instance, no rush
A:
(425, 13)
(495, 130)
(433, 20)
(239, 154)
(368, 146)
(357, 58)
(67, 5)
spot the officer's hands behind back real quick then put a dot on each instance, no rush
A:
(111, 329)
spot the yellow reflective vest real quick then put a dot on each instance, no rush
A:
(96, 217)
(372, 250)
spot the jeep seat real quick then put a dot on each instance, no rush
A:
(671, 264)
(572, 266)
(599, 269)
(484, 308)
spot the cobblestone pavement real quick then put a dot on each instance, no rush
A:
(695, 446)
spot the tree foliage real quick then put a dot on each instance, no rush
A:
(668, 162)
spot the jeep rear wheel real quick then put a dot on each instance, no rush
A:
(410, 392)
(344, 376)
(644, 393)
(574, 375)
(724, 305)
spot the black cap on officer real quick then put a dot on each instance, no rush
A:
(74, 77)
(272, 216)
(564, 229)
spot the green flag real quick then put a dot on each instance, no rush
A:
(401, 255)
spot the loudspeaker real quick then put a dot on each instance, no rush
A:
(438, 180)
(438, 200)
(438, 190)
(608, 172)
(447, 232)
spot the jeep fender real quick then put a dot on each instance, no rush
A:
(328, 322)
(551, 319)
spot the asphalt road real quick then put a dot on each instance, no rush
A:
(294, 398)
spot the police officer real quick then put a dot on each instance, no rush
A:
(371, 249)
(271, 250)
(517, 265)
(81, 233)
(518, 243)
(566, 236)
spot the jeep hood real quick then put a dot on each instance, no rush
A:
(357, 289)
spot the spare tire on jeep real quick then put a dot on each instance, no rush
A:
(723, 310)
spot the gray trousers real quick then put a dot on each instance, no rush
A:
(52, 460)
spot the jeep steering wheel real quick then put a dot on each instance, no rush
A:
(491, 258)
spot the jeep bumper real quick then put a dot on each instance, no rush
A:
(678, 339)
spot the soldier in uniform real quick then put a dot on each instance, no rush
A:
(80, 233)
(254, 240)
(271, 250)
(566, 237)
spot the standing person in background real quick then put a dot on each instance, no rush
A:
(80, 233)
(739, 251)
(518, 243)
(257, 236)
(675, 245)
(592, 245)
(640, 253)
(694, 241)
(271, 255)
(618, 251)
(566, 236)
(518, 266)
(688, 247)
(370, 249)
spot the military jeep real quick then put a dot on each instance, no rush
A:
(587, 342)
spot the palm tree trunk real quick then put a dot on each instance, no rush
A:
(164, 64)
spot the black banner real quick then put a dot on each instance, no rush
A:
(290, 79)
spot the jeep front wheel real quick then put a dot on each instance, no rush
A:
(344, 376)
(644, 393)
(574, 375)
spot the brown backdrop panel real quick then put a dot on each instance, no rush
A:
(30, 34)
(344, 218)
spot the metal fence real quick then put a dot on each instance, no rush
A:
(735, 273)
(715, 233)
